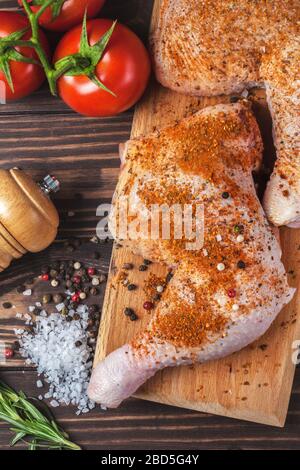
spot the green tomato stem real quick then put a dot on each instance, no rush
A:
(52, 74)
(35, 40)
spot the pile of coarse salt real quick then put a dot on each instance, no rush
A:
(60, 350)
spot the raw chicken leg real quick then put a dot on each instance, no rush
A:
(222, 296)
(214, 47)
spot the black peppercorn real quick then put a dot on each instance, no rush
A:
(147, 262)
(133, 317)
(225, 195)
(143, 267)
(241, 265)
(21, 289)
(45, 270)
(93, 309)
(157, 297)
(94, 291)
(128, 266)
(7, 305)
(128, 312)
(131, 287)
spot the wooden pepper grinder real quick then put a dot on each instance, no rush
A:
(28, 219)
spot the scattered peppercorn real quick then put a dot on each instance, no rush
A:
(131, 287)
(77, 279)
(128, 312)
(143, 267)
(93, 309)
(147, 262)
(94, 291)
(241, 264)
(58, 298)
(128, 266)
(46, 299)
(231, 293)
(7, 305)
(148, 305)
(225, 195)
(78, 344)
(238, 228)
(53, 273)
(21, 289)
(91, 271)
(9, 353)
(133, 317)
(95, 281)
(75, 298)
(16, 346)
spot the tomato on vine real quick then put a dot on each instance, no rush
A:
(116, 73)
(62, 15)
(20, 70)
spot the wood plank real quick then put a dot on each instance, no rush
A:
(254, 384)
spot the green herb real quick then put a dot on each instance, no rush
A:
(29, 424)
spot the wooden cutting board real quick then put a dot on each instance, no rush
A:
(254, 384)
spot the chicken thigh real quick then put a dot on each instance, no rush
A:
(214, 47)
(225, 293)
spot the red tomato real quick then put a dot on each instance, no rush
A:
(71, 14)
(124, 69)
(26, 77)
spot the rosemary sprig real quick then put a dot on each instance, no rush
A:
(29, 424)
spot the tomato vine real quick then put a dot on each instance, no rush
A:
(82, 63)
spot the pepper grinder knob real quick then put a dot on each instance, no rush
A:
(49, 184)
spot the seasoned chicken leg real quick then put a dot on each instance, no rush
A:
(223, 295)
(214, 47)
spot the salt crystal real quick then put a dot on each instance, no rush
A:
(39, 384)
(19, 315)
(60, 307)
(64, 367)
(54, 403)
(27, 292)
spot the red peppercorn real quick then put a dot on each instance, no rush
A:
(77, 279)
(91, 271)
(148, 305)
(45, 277)
(75, 297)
(9, 353)
(231, 293)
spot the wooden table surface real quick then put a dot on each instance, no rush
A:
(42, 136)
